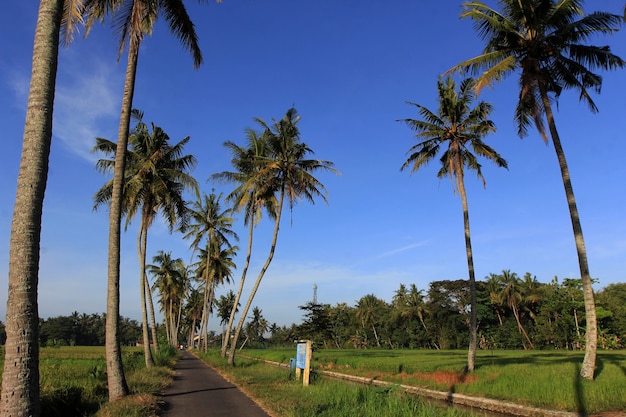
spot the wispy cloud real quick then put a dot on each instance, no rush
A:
(87, 101)
(401, 249)
(86, 105)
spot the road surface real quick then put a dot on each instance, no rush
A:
(199, 391)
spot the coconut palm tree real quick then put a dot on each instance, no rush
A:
(461, 129)
(216, 266)
(155, 178)
(193, 312)
(248, 198)
(20, 378)
(494, 287)
(512, 295)
(210, 229)
(546, 41)
(172, 283)
(132, 20)
(286, 173)
(224, 306)
(368, 310)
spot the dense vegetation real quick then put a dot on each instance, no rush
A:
(513, 313)
(81, 330)
(549, 318)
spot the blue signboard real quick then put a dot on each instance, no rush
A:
(301, 355)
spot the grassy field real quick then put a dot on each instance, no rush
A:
(73, 382)
(283, 396)
(545, 379)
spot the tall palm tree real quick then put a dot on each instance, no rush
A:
(415, 304)
(512, 295)
(172, 283)
(285, 172)
(156, 176)
(132, 20)
(494, 287)
(460, 128)
(546, 41)
(193, 312)
(368, 312)
(210, 229)
(247, 197)
(224, 306)
(20, 378)
(216, 267)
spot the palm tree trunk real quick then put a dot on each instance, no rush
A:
(142, 289)
(587, 369)
(178, 319)
(233, 312)
(115, 372)
(521, 328)
(376, 336)
(242, 319)
(471, 354)
(20, 379)
(153, 326)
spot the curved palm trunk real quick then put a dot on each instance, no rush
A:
(178, 320)
(141, 243)
(471, 354)
(591, 335)
(242, 319)
(521, 328)
(153, 326)
(203, 318)
(115, 372)
(211, 297)
(233, 312)
(20, 379)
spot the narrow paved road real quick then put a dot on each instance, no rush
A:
(199, 391)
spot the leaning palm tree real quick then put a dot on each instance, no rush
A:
(286, 173)
(512, 296)
(247, 197)
(461, 129)
(132, 20)
(546, 41)
(155, 178)
(20, 378)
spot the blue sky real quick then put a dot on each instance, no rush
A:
(348, 67)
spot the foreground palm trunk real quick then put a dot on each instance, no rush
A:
(143, 288)
(20, 379)
(471, 353)
(587, 369)
(115, 372)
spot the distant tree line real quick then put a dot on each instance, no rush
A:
(513, 313)
(81, 330)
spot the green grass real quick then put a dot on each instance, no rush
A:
(73, 382)
(285, 397)
(546, 379)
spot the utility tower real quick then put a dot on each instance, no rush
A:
(314, 293)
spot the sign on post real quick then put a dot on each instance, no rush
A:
(303, 360)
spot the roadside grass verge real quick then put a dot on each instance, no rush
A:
(545, 379)
(282, 396)
(73, 382)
